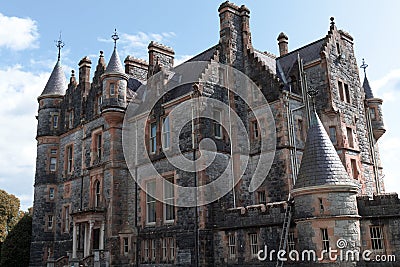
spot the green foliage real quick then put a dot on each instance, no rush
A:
(9, 213)
(16, 247)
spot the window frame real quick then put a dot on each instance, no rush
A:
(253, 244)
(291, 242)
(350, 137)
(151, 203)
(232, 246)
(52, 195)
(66, 214)
(112, 89)
(97, 193)
(50, 222)
(325, 239)
(169, 198)
(125, 245)
(153, 137)
(166, 133)
(333, 135)
(261, 195)
(69, 158)
(55, 120)
(217, 127)
(377, 238)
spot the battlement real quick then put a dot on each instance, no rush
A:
(379, 205)
(254, 215)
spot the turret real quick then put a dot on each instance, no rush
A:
(324, 196)
(374, 107)
(114, 82)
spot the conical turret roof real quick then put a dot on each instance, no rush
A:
(320, 164)
(114, 65)
(57, 83)
(367, 89)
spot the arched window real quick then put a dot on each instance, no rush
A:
(97, 193)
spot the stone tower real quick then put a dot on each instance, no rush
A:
(324, 197)
(48, 129)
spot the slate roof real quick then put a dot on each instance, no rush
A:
(57, 83)
(114, 65)
(320, 164)
(367, 89)
(307, 53)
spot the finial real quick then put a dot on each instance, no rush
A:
(115, 37)
(60, 44)
(101, 53)
(364, 66)
(72, 73)
(312, 92)
(332, 22)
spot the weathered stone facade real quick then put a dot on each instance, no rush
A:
(89, 211)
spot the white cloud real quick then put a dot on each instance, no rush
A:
(388, 88)
(18, 33)
(136, 44)
(18, 93)
(390, 78)
(181, 58)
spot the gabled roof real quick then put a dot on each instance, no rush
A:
(367, 89)
(307, 53)
(320, 164)
(57, 83)
(114, 65)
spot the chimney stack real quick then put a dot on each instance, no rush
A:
(84, 75)
(283, 44)
(160, 56)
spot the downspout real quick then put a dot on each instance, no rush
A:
(372, 148)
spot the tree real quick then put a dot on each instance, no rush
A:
(16, 247)
(9, 213)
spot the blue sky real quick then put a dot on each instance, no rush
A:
(28, 53)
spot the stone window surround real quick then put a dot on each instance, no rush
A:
(252, 237)
(122, 238)
(97, 104)
(160, 212)
(167, 133)
(372, 236)
(254, 135)
(94, 145)
(53, 123)
(168, 249)
(149, 136)
(108, 88)
(94, 178)
(232, 245)
(344, 91)
(65, 227)
(49, 156)
(66, 159)
(46, 221)
(47, 193)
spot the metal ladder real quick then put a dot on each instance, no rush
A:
(285, 231)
